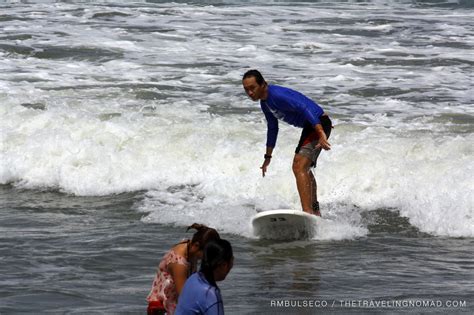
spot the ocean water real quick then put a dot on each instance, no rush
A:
(123, 123)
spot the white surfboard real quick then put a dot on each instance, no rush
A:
(284, 224)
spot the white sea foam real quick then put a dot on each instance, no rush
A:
(162, 110)
(210, 170)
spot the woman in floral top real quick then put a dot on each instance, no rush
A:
(175, 267)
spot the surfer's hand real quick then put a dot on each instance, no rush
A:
(323, 143)
(264, 166)
(322, 139)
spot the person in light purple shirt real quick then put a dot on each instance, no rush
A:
(294, 108)
(200, 294)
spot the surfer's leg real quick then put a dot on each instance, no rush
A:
(306, 156)
(305, 179)
(314, 187)
(314, 194)
(301, 169)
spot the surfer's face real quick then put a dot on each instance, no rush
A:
(253, 89)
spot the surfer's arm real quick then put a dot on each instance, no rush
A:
(268, 153)
(272, 134)
(267, 159)
(272, 126)
(322, 139)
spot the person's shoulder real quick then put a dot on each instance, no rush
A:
(177, 255)
(279, 91)
(289, 93)
(201, 280)
(194, 278)
(276, 88)
(197, 279)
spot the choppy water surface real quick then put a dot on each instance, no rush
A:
(123, 123)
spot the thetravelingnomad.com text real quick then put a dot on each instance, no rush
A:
(309, 303)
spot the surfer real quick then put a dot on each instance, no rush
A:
(200, 294)
(175, 267)
(296, 109)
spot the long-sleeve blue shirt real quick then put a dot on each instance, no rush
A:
(290, 106)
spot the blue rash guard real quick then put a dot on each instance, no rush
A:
(199, 297)
(291, 107)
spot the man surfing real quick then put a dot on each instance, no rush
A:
(296, 109)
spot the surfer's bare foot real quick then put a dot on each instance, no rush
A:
(317, 213)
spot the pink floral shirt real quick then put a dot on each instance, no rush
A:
(164, 288)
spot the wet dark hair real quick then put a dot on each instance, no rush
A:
(215, 253)
(203, 235)
(256, 74)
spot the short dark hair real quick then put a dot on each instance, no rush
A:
(256, 74)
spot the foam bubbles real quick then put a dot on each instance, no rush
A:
(148, 97)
